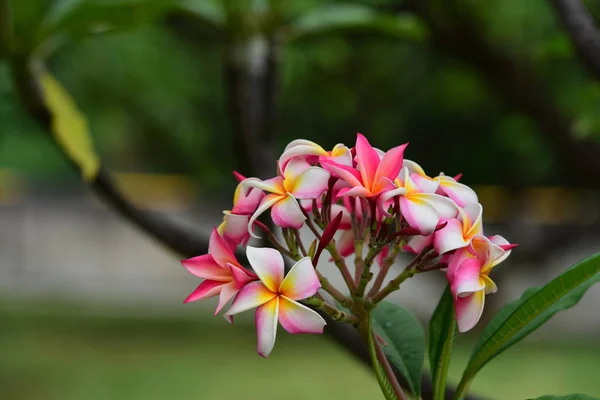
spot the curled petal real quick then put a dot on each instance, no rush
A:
(298, 148)
(205, 290)
(246, 199)
(417, 243)
(268, 264)
(266, 326)
(241, 276)
(425, 183)
(469, 310)
(450, 237)
(490, 286)
(500, 241)
(419, 214)
(454, 262)
(413, 167)
(273, 185)
(310, 184)
(220, 250)
(466, 278)
(293, 169)
(461, 194)
(265, 204)
(348, 174)
(301, 282)
(386, 196)
(234, 227)
(367, 160)
(357, 191)
(341, 154)
(472, 216)
(287, 213)
(444, 207)
(252, 295)
(297, 318)
(205, 267)
(227, 292)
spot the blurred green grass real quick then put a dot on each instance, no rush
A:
(55, 353)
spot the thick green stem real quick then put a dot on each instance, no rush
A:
(387, 264)
(366, 272)
(333, 312)
(358, 260)
(341, 264)
(393, 285)
(336, 294)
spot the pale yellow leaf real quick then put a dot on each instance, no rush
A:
(69, 126)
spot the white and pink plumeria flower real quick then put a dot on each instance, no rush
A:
(276, 296)
(222, 273)
(459, 231)
(311, 152)
(300, 180)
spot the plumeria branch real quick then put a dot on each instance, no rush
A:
(336, 314)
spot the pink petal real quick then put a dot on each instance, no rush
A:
(220, 250)
(367, 160)
(301, 281)
(474, 214)
(466, 278)
(386, 196)
(444, 207)
(241, 276)
(425, 183)
(500, 241)
(461, 194)
(205, 290)
(416, 244)
(287, 213)
(348, 174)
(299, 148)
(273, 185)
(346, 221)
(234, 227)
(310, 184)
(469, 310)
(268, 264)
(252, 295)
(293, 169)
(391, 164)
(419, 214)
(227, 292)
(205, 267)
(246, 199)
(297, 318)
(450, 237)
(454, 262)
(341, 154)
(345, 243)
(266, 326)
(265, 204)
(357, 191)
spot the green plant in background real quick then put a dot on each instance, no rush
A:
(253, 34)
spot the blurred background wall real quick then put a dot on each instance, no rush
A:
(178, 94)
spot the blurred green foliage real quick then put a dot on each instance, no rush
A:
(155, 100)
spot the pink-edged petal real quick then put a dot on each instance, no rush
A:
(345, 243)
(449, 237)
(205, 290)
(241, 275)
(227, 292)
(297, 318)
(500, 241)
(387, 196)
(474, 214)
(367, 160)
(234, 227)
(293, 169)
(310, 184)
(246, 199)
(391, 163)
(205, 267)
(466, 278)
(490, 286)
(413, 167)
(300, 148)
(346, 221)
(286, 213)
(273, 185)
(348, 174)
(266, 326)
(220, 250)
(454, 262)
(265, 204)
(357, 191)
(341, 154)
(416, 244)
(425, 183)
(461, 194)
(469, 310)
(268, 264)
(444, 207)
(419, 214)
(250, 296)
(301, 282)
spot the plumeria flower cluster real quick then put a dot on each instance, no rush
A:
(358, 201)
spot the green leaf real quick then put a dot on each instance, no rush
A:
(209, 12)
(405, 340)
(576, 396)
(523, 316)
(442, 330)
(69, 126)
(355, 17)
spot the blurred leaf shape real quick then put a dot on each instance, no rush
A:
(354, 17)
(521, 317)
(69, 126)
(442, 331)
(576, 396)
(405, 340)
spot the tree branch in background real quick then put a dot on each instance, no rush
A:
(174, 235)
(455, 31)
(582, 29)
